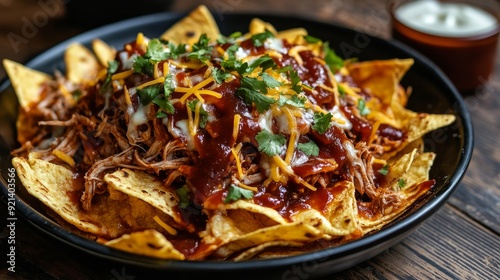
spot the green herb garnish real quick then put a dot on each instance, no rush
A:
(270, 144)
(235, 193)
(322, 122)
(310, 148)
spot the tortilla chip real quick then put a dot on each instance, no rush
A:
(81, 64)
(189, 29)
(412, 169)
(259, 26)
(52, 185)
(104, 52)
(27, 83)
(293, 232)
(147, 243)
(340, 217)
(146, 187)
(252, 252)
(291, 35)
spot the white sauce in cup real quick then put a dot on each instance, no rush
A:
(445, 19)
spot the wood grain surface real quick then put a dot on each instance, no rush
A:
(461, 241)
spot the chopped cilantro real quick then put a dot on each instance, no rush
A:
(176, 51)
(183, 193)
(201, 50)
(265, 62)
(112, 68)
(143, 65)
(154, 94)
(269, 143)
(168, 85)
(270, 81)
(294, 78)
(147, 94)
(258, 39)
(235, 193)
(203, 114)
(341, 90)
(363, 110)
(384, 170)
(322, 122)
(401, 183)
(220, 75)
(310, 39)
(229, 39)
(156, 50)
(295, 101)
(332, 59)
(253, 91)
(310, 148)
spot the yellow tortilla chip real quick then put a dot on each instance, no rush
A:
(259, 26)
(147, 243)
(189, 29)
(380, 77)
(146, 187)
(104, 52)
(52, 185)
(407, 175)
(27, 83)
(81, 64)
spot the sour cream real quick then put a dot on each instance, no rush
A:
(445, 19)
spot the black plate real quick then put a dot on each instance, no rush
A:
(432, 92)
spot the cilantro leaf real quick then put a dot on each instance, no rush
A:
(341, 90)
(155, 95)
(165, 106)
(258, 39)
(229, 39)
(112, 68)
(203, 114)
(401, 183)
(294, 78)
(201, 50)
(156, 51)
(253, 91)
(148, 94)
(220, 75)
(295, 101)
(333, 61)
(183, 193)
(384, 170)
(322, 122)
(265, 62)
(363, 110)
(310, 39)
(235, 193)
(176, 51)
(269, 143)
(143, 65)
(310, 148)
(270, 81)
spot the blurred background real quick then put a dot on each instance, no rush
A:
(28, 27)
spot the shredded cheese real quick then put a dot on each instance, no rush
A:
(254, 189)
(126, 93)
(122, 75)
(168, 228)
(64, 157)
(235, 151)
(159, 80)
(195, 88)
(236, 126)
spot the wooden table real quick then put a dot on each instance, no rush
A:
(461, 241)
